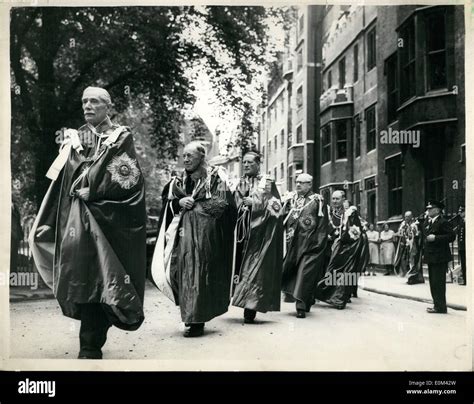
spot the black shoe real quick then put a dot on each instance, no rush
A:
(433, 310)
(414, 282)
(349, 301)
(288, 298)
(387, 274)
(194, 330)
(300, 313)
(249, 316)
(90, 355)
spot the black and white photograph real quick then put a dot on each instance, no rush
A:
(240, 187)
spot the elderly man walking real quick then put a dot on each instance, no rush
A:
(89, 237)
(192, 262)
(259, 242)
(306, 225)
(349, 255)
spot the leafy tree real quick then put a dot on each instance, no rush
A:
(144, 56)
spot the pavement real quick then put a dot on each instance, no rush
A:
(393, 285)
(374, 332)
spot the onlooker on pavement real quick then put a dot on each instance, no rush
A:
(387, 248)
(373, 236)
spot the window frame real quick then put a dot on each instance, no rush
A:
(371, 49)
(372, 132)
(326, 146)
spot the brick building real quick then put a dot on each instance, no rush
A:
(392, 107)
(371, 100)
(290, 119)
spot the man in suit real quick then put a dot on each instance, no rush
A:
(461, 233)
(438, 233)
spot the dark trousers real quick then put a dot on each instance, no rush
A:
(437, 278)
(93, 333)
(462, 256)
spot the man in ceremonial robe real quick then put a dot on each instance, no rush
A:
(408, 254)
(192, 262)
(437, 233)
(306, 226)
(349, 255)
(259, 242)
(89, 237)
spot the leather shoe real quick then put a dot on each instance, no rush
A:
(300, 314)
(249, 316)
(433, 310)
(194, 330)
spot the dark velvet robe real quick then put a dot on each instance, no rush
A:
(407, 260)
(303, 265)
(97, 253)
(200, 267)
(260, 256)
(350, 255)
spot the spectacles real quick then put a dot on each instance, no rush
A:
(303, 182)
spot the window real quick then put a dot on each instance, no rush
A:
(356, 63)
(275, 143)
(356, 136)
(329, 79)
(371, 50)
(370, 184)
(393, 169)
(269, 147)
(275, 174)
(370, 128)
(342, 73)
(299, 134)
(282, 138)
(392, 87)
(282, 170)
(263, 151)
(436, 50)
(325, 143)
(290, 139)
(299, 61)
(299, 97)
(407, 62)
(290, 178)
(434, 157)
(371, 199)
(341, 139)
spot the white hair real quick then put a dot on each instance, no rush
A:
(101, 93)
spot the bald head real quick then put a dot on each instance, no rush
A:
(96, 103)
(304, 183)
(338, 198)
(408, 216)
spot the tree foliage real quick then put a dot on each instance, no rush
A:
(144, 56)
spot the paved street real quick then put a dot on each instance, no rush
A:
(375, 332)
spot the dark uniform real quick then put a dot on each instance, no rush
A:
(461, 234)
(437, 254)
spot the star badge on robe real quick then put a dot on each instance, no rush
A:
(124, 171)
(274, 207)
(354, 232)
(307, 222)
